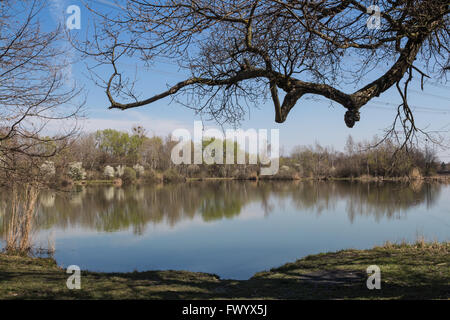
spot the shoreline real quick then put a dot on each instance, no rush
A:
(435, 178)
(408, 271)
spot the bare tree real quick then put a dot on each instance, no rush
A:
(239, 52)
(35, 93)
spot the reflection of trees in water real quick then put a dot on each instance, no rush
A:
(318, 196)
(112, 209)
(391, 200)
(387, 199)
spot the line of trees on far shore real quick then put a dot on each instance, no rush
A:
(110, 154)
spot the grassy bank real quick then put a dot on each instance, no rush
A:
(411, 271)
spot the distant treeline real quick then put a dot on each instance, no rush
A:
(110, 154)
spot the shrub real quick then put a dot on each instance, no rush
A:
(48, 169)
(139, 170)
(415, 174)
(151, 176)
(171, 175)
(76, 171)
(109, 172)
(284, 173)
(247, 175)
(193, 170)
(94, 175)
(129, 176)
(64, 182)
(120, 171)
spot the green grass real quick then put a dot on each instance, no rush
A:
(408, 271)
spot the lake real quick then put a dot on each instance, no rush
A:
(233, 228)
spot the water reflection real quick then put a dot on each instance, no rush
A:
(231, 228)
(113, 209)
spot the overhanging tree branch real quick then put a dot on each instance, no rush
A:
(250, 48)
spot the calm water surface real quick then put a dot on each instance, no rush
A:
(233, 229)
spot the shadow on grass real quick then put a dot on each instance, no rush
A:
(407, 272)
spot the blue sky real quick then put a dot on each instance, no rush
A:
(309, 122)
